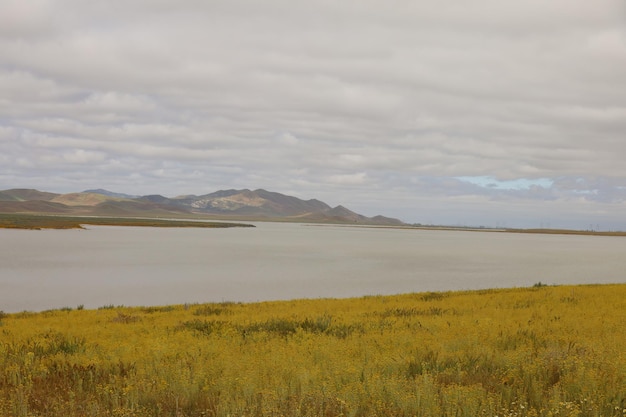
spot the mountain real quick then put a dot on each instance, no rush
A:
(252, 203)
(234, 204)
(267, 204)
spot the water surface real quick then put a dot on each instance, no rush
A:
(154, 266)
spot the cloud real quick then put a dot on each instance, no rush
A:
(352, 102)
(348, 179)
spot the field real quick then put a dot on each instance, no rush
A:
(541, 351)
(37, 221)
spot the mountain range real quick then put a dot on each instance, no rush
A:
(228, 204)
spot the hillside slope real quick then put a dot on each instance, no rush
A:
(240, 204)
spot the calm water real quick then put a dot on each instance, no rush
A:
(154, 266)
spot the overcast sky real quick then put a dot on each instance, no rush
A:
(484, 112)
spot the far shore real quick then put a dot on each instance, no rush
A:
(38, 222)
(534, 231)
(487, 229)
(52, 221)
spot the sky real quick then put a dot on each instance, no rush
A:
(491, 112)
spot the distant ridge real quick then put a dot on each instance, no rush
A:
(111, 193)
(25, 194)
(243, 204)
(34, 206)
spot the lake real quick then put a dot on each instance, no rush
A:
(106, 265)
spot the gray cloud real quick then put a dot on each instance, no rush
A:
(375, 105)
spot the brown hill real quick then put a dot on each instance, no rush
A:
(25, 194)
(136, 208)
(82, 199)
(240, 204)
(266, 204)
(84, 204)
(34, 206)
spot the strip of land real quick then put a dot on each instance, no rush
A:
(37, 222)
(488, 229)
(533, 231)
(567, 232)
(43, 221)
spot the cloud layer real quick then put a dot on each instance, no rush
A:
(412, 109)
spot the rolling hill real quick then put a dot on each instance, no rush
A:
(25, 194)
(227, 204)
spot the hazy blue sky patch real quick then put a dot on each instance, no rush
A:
(517, 184)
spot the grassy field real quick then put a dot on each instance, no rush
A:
(541, 351)
(36, 221)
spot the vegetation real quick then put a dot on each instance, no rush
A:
(36, 221)
(539, 351)
(543, 231)
(567, 232)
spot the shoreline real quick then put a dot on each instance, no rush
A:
(484, 229)
(431, 295)
(28, 221)
(39, 222)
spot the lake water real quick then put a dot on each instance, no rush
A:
(155, 266)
